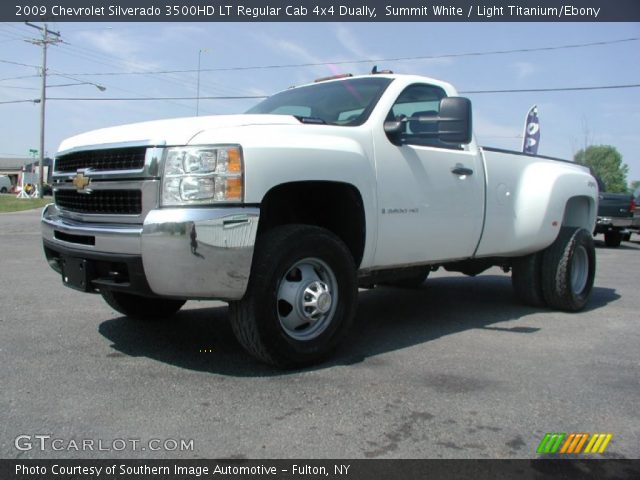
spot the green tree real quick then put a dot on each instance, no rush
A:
(634, 185)
(606, 163)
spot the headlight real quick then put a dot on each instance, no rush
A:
(202, 175)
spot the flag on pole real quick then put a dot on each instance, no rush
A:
(531, 137)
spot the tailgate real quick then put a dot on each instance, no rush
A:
(614, 205)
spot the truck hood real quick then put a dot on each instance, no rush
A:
(175, 131)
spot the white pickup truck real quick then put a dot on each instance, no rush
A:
(318, 190)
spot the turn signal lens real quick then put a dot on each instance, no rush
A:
(234, 189)
(235, 161)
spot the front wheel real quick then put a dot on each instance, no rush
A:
(568, 270)
(144, 308)
(301, 298)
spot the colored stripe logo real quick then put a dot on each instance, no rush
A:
(574, 443)
(598, 443)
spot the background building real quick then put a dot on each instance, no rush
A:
(13, 168)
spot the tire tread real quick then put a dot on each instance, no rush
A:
(556, 264)
(526, 278)
(245, 314)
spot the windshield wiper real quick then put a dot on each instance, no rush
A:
(312, 120)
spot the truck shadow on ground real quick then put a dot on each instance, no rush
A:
(388, 319)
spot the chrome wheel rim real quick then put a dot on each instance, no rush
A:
(579, 270)
(307, 296)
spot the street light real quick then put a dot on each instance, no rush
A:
(42, 101)
(99, 87)
(200, 52)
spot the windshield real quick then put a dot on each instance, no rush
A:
(346, 102)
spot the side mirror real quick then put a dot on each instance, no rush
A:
(394, 129)
(452, 124)
(454, 120)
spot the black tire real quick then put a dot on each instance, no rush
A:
(414, 280)
(3, 190)
(143, 308)
(526, 278)
(568, 270)
(626, 237)
(612, 239)
(286, 259)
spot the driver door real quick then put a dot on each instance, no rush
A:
(426, 211)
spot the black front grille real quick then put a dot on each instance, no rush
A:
(111, 159)
(111, 202)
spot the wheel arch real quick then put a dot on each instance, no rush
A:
(580, 211)
(336, 206)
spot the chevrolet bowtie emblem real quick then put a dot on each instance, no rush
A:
(80, 181)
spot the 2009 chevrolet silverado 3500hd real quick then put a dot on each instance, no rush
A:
(286, 210)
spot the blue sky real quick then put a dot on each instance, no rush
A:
(568, 119)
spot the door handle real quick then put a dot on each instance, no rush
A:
(460, 170)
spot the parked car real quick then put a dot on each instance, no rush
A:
(5, 184)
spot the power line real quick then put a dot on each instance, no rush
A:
(18, 63)
(257, 97)
(85, 57)
(89, 54)
(15, 26)
(18, 87)
(54, 72)
(241, 97)
(378, 60)
(9, 38)
(12, 35)
(18, 78)
(563, 89)
(440, 56)
(98, 57)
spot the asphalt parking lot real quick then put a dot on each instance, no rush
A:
(455, 369)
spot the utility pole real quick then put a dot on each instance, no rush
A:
(43, 42)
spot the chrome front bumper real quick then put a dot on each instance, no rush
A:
(202, 253)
